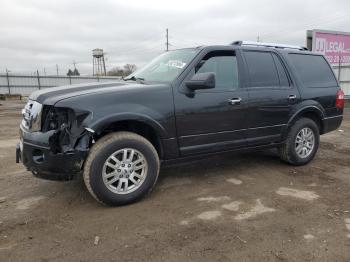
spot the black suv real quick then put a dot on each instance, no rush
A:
(184, 103)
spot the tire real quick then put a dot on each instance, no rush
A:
(288, 151)
(101, 170)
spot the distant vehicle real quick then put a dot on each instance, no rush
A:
(184, 103)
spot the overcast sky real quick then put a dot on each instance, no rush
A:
(38, 34)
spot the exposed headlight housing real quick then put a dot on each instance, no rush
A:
(55, 118)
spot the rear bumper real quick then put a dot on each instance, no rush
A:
(331, 123)
(38, 158)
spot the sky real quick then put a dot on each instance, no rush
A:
(40, 34)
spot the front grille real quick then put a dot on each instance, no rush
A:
(31, 114)
(26, 118)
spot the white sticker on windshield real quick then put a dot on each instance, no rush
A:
(176, 63)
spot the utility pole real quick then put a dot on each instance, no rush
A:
(167, 40)
(57, 69)
(44, 71)
(258, 38)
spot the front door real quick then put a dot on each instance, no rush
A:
(214, 119)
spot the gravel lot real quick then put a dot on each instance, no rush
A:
(249, 207)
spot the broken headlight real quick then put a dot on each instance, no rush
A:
(59, 118)
(55, 118)
(67, 126)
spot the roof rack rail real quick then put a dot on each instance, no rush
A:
(271, 45)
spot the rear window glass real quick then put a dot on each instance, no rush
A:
(313, 70)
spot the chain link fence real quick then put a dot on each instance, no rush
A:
(25, 84)
(344, 78)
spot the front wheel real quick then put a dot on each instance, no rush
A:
(121, 168)
(302, 142)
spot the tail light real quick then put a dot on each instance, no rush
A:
(339, 101)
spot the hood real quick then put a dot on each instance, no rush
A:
(50, 96)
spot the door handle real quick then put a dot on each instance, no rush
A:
(292, 97)
(235, 101)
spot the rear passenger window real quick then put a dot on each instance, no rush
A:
(313, 70)
(262, 69)
(282, 75)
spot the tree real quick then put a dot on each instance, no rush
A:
(129, 68)
(116, 71)
(70, 72)
(76, 72)
(125, 71)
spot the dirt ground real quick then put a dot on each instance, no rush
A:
(249, 207)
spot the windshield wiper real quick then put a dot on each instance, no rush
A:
(133, 78)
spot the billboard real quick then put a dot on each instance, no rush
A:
(335, 46)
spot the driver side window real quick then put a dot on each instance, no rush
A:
(225, 68)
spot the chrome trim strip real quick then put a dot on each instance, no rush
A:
(273, 45)
(30, 144)
(232, 131)
(325, 118)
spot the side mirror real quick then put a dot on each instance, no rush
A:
(201, 81)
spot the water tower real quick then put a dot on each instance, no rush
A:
(98, 62)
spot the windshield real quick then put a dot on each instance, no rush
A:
(165, 67)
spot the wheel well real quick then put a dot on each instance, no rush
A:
(136, 127)
(313, 116)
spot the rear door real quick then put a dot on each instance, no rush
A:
(271, 96)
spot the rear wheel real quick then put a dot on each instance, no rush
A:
(121, 168)
(302, 142)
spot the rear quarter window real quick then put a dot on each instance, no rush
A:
(313, 70)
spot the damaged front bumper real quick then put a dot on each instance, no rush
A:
(35, 151)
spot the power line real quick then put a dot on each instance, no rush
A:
(140, 45)
(140, 51)
(310, 24)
